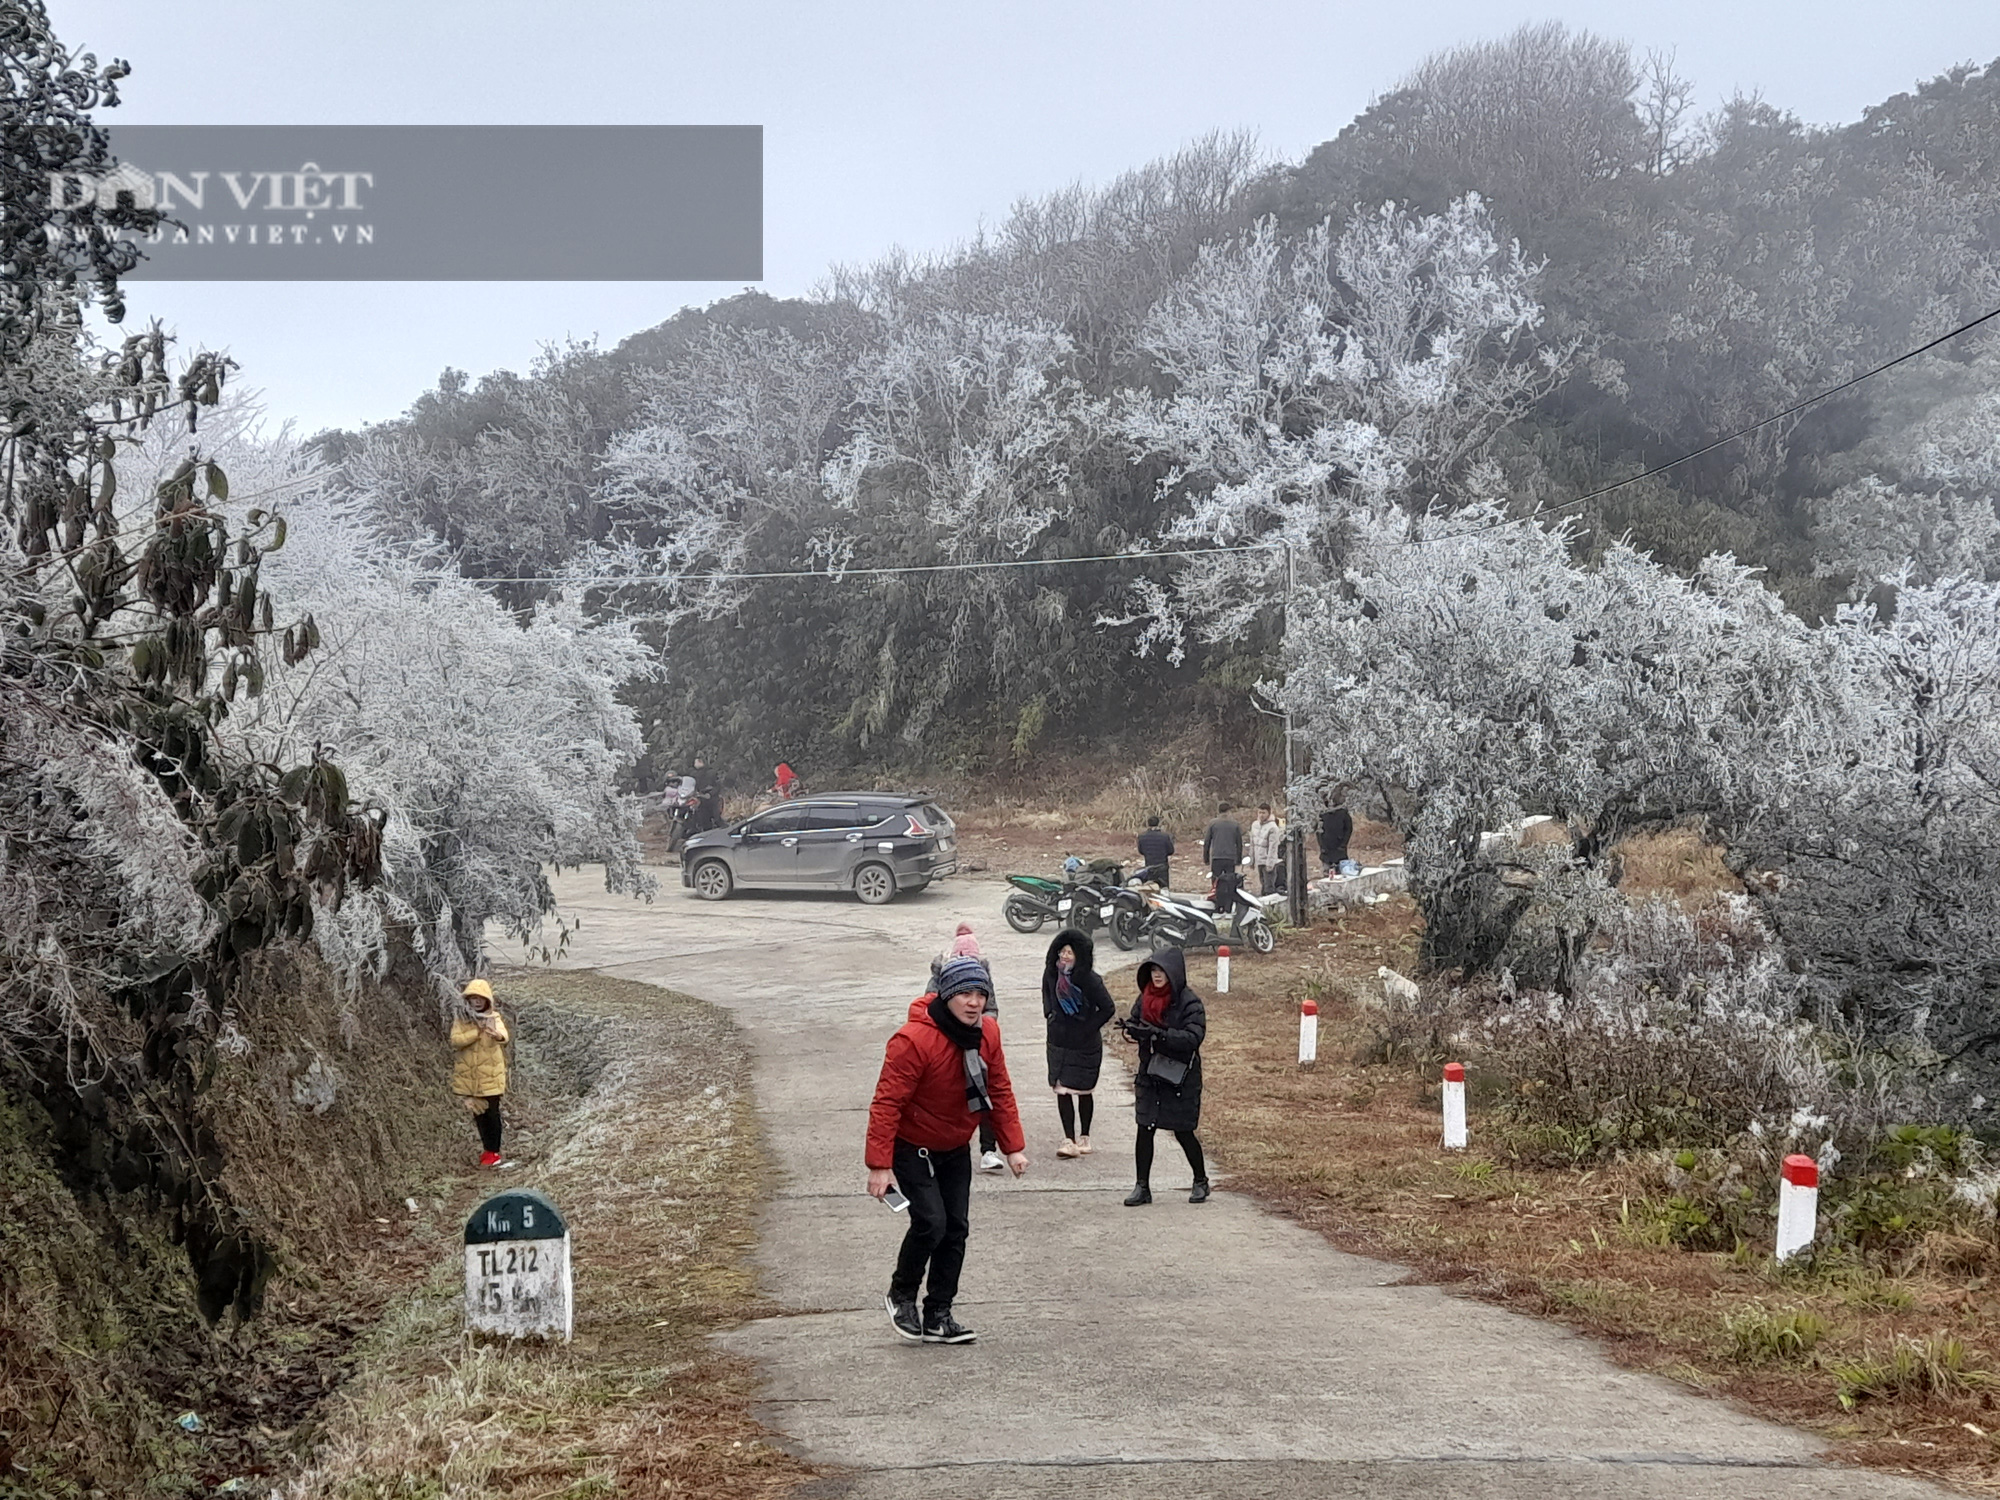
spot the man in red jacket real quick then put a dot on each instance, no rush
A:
(943, 1074)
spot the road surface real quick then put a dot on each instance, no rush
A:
(1173, 1350)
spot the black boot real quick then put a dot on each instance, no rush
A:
(1200, 1193)
(1140, 1196)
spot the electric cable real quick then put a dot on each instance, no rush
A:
(608, 579)
(1741, 432)
(611, 579)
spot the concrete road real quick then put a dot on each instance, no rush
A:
(1171, 1350)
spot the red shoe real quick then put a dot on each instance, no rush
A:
(489, 1158)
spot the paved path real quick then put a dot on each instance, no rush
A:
(1172, 1350)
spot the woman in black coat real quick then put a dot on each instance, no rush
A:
(1076, 1005)
(1168, 1021)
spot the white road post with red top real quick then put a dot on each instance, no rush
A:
(1798, 1204)
(1222, 970)
(1308, 1033)
(1454, 1106)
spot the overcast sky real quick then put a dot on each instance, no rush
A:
(887, 123)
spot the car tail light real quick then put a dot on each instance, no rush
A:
(917, 830)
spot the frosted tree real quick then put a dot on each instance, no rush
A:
(723, 466)
(490, 749)
(504, 475)
(960, 426)
(1470, 670)
(1313, 386)
(1879, 805)
(939, 437)
(1929, 506)
(960, 433)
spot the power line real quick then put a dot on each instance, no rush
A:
(607, 579)
(594, 580)
(1742, 432)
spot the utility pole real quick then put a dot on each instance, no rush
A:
(1295, 835)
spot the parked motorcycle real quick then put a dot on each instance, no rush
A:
(1032, 902)
(1192, 921)
(1087, 900)
(680, 820)
(1124, 906)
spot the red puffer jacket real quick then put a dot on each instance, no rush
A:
(921, 1094)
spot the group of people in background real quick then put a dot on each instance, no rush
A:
(944, 1079)
(1226, 850)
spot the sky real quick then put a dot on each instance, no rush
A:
(886, 124)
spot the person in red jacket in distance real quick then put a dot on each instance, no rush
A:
(943, 1074)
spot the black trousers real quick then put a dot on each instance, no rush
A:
(1190, 1146)
(488, 1121)
(939, 1187)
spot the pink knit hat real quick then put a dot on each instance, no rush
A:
(965, 945)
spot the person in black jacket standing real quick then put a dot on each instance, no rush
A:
(1076, 1005)
(1222, 850)
(1156, 848)
(708, 798)
(1336, 827)
(1168, 1021)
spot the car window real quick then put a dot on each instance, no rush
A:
(778, 820)
(878, 815)
(837, 815)
(934, 816)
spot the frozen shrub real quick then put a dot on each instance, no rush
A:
(1685, 1029)
(1417, 1024)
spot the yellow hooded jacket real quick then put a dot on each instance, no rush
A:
(480, 1070)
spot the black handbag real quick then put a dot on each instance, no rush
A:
(1170, 1071)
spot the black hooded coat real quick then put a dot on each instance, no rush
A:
(1076, 1043)
(1156, 1102)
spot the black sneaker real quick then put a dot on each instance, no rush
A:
(1141, 1195)
(945, 1329)
(1200, 1193)
(904, 1316)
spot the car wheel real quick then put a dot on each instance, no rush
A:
(1021, 915)
(1260, 935)
(712, 880)
(875, 884)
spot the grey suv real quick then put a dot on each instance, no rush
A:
(872, 843)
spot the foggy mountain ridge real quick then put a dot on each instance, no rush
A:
(1694, 276)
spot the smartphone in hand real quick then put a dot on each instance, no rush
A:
(895, 1201)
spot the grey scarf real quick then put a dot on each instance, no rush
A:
(968, 1040)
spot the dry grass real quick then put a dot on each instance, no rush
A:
(1351, 1149)
(1678, 865)
(658, 1170)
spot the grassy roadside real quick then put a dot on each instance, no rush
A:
(342, 1152)
(658, 1170)
(1898, 1364)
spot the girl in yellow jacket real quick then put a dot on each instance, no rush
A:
(479, 1072)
